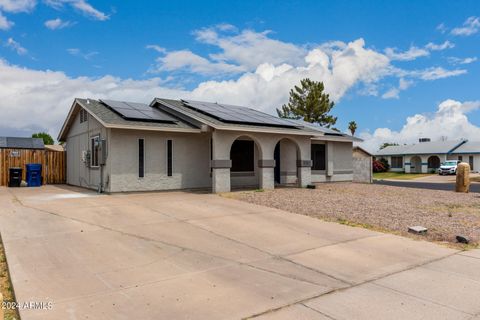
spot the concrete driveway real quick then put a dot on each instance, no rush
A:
(181, 255)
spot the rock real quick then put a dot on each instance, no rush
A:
(417, 229)
(311, 186)
(462, 239)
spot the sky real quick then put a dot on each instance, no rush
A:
(401, 69)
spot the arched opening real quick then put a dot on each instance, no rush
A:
(244, 154)
(415, 165)
(286, 156)
(433, 162)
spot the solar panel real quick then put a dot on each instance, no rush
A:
(237, 114)
(138, 111)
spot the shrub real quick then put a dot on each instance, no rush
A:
(385, 163)
(378, 166)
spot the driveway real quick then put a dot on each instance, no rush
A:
(178, 255)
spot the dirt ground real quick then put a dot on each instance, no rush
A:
(385, 208)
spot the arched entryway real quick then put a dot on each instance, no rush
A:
(244, 171)
(416, 164)
(433, 162)
(286, 156)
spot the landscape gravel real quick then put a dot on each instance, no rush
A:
(446, 214)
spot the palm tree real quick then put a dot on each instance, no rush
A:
(352, 126)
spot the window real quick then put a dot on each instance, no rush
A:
(169, 158)
(396, 162)
(318, 156)
(141, 158)
(470, 162)
(95, 146)
(242, 156)
(460, 158)
(83, 115)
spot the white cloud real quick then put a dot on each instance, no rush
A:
(17, 5)
(156, 48)
(449, 120)
(394, 93)
(470, 26)
(80, 5)
(249, 48)
(185, 60)
(435, 73)
(439, 47)
(78, 53)
(5, 24)
(56, 24)
(455, 60)
(15, 46)
(442, 28)
(411, 54)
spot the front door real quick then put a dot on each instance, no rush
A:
(276, 156)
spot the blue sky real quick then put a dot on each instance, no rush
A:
(386, 61)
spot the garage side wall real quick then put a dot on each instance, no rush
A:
(191, 161)
(77, 141)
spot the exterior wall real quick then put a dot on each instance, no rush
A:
(191, 161)
(465, 156)
(77, 141)
(247, 179)
(288, 162)
(339, 164)
(362, 167)
(410, 167)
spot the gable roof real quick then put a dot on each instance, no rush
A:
(471, 147)
(431, 147)
(21, 143)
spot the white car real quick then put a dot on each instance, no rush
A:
(449, 167)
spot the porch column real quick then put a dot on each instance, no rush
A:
(304, 168)
(424, 168)
(221, 175)
(408, 165)
(266, 174)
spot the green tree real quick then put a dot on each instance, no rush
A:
(47, 139)
(388, 144)
(310, 103)
(352, 126)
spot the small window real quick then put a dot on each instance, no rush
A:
(83, 115)
(169, 158)
(396, 162)
(141, 158)
(95, 147)
(318, 157)
(242, 156)
(460, 158)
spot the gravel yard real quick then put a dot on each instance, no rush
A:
(385, 208)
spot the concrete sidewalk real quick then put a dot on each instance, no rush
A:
(181, 255)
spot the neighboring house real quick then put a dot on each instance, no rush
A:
(362, 165)
(20, 143)
(426, 156)
(117, 146)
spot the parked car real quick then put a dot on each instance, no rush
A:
(449, 167)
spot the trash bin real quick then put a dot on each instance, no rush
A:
(15, 177)
(34, 175)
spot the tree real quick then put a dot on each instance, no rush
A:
(352, 126)
(47, 139)
(388, 144)
(310, 103)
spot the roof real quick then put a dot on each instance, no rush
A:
(431, 147)
(188, 119)
(21, 143)
(54, 147)
(357, 148)
(468, 147)
(110, 119)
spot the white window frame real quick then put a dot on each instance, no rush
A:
(92, 151)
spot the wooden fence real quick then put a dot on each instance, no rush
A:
(53, 164)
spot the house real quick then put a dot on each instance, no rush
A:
(362, 165)
(117, 146)
(426, 156)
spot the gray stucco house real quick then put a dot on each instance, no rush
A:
(426, 156)
(116, 146)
